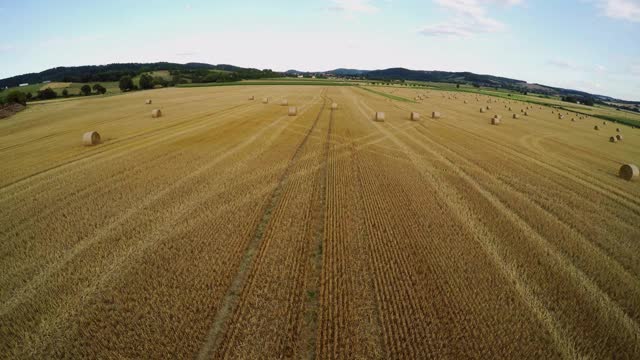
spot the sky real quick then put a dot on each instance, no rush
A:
(588, 45)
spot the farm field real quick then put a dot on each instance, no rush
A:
(226, 229)
(71, 87)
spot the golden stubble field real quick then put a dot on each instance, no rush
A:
(227, 229)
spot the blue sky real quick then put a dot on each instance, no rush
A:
(590, 45)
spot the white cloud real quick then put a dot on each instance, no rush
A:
(60, 41)
(460, 27)
(469, 18)
(593, 87)
(600, 69)
(6, 48)
(563, 64)
(353, 6)
(621, 9)
(568, 65)
(635, 69)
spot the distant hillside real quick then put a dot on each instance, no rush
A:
(488, 81)
(111, 72)
(336, 72)
(201, 72)
(441, 76)
(348, 72)
(463, 78)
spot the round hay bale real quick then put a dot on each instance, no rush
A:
(516, 116)
(252, 98)
(91, 138)
(629, 172)
(618, 130)
(526, 113)
(148, 101)
(156, 113)
(334, 106)
(465, 102)
(293, 111)
(488, 107)
(604, 123)
(495, 121)
(482, 109)
(560, 116)
(573, 119)
(284, 102)
(596, 127)
(265, 100)
(378, 116)
(619, 137)
(613, 139)
(436, 115)
(510, 109)
(414, 116)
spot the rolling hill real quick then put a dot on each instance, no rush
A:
(112, 72)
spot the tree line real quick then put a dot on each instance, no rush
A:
(21, 97)
(146, 81)
(586, 100)
(114, 72)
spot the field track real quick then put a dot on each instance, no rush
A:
(226, 229)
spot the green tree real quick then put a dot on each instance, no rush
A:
(99, 89)
(126, 83)
(146, 82)
(176, 78)
(47, 93)
(159, 80)
(16, 96)
(85, 89)
(65, 92)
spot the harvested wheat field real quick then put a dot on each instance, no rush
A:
(227, 229)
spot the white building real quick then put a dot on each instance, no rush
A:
(25, 84)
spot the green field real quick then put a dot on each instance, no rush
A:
(33, 89)
(73, 89)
